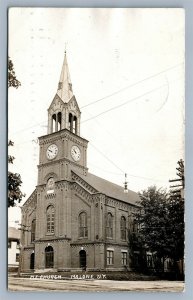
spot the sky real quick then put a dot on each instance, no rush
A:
(127, 73)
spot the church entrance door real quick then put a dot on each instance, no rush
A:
(49, 257)
(82, 257)
(32, 259)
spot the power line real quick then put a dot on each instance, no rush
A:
(126, 102)
(114, 93)
(131, 85)
(106, 157)
(122, 172)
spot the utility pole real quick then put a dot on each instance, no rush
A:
(177, 189)
(23, 229)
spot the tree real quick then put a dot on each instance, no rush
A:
(14, 179)
(153, 220)
(161, 222)
(176, 214)
(12, 80)
(14, 182)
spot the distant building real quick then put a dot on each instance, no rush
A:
(13, 248)
(75, 220)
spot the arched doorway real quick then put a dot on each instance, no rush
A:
(49, 257)
(82, 259)
(32, 260)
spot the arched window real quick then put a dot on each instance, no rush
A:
(123, 228)
(33, 229)
(49, 257)
(109, 225)
(59, 121)
(75, 125)
(72, 123)
(56, 122)
(83, 229)
(50, 219)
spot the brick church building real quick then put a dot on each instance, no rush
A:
(73, 220)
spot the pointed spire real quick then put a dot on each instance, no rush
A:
(65, 86)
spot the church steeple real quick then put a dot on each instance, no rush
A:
(65, 86)
(64, 112)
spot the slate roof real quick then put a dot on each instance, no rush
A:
(110, 189)
(13, 233)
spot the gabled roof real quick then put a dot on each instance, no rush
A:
(110, 189)
(13, 233)
(73, 104)
(54, 101)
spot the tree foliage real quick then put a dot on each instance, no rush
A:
(14, 179)
(14, 183)
(153, 220)
(12, 80)
(176, 212)
(161, 221)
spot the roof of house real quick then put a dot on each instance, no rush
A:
(13, 233)
(111, 189)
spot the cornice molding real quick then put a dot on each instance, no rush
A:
(82, 192)
(32, 200)
(52, 240)
(83, 183)
(62, 160)
(58, 135)
(50, 196)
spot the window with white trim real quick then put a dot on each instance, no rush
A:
(83, 229)
(50, 219)
(110, 257)
(124, 258)
(109, 225)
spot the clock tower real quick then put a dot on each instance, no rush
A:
(75, 220)
(62, 149)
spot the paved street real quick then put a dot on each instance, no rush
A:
(27, 284)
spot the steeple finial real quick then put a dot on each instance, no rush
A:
(125, 184)
(65, 49)
(65, 86)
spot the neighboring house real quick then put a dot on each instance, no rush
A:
(13, 248)
(74, 219)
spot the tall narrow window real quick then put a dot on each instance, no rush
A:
(123, 228)
(110, 257)
(75, 124)
(54, 123)
(83, 229)
(109, 225)
(124, 258)
(33, 229)
(59, 121)
(17, 257)
(50, 219)
(70, 122)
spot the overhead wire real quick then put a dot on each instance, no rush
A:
(115, 107)
(108, 96)
(126, 102)
(131, 85)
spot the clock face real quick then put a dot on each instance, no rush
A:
(75, 153)
(52, 151)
